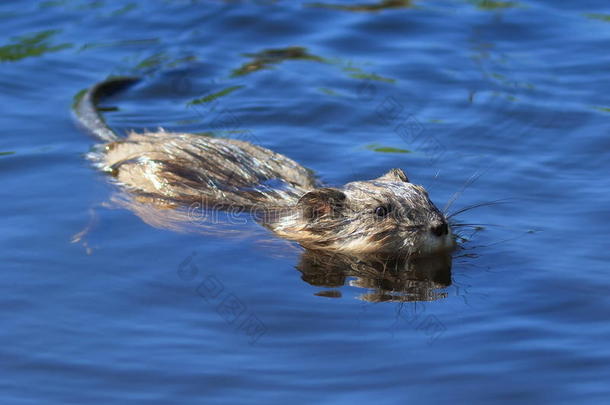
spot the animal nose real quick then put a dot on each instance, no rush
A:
(440, 230)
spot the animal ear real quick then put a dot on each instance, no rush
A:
(320, 202)
(394, 175)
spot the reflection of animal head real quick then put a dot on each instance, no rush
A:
(386, 279)
(386, 215)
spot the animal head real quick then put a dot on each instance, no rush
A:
(386, 215)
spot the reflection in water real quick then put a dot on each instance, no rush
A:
(268, 57)
(382, 5)
(387, 279)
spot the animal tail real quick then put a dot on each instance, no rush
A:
(87, 113)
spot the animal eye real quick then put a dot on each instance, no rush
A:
(383, 210)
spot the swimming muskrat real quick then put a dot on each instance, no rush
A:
(386, 215)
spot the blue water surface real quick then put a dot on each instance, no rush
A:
(477, 100)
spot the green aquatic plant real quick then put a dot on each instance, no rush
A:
(162, 60)
(330, 92)
(385, 149)
(187, 122)
(180, 61)
(356, 72)
(53, 3)
(600, 17)
(124, 10)
(89, 5)
(152, 61)
(29, 46)
(73, 4)
(371, 76)
(214, 96)
(269, 57)
(382, 5)
(494, 4)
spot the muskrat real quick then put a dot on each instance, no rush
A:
(386, 215)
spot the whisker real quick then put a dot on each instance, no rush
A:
(434, 180)
(505, 240)
(478, 205)
(457, 194)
